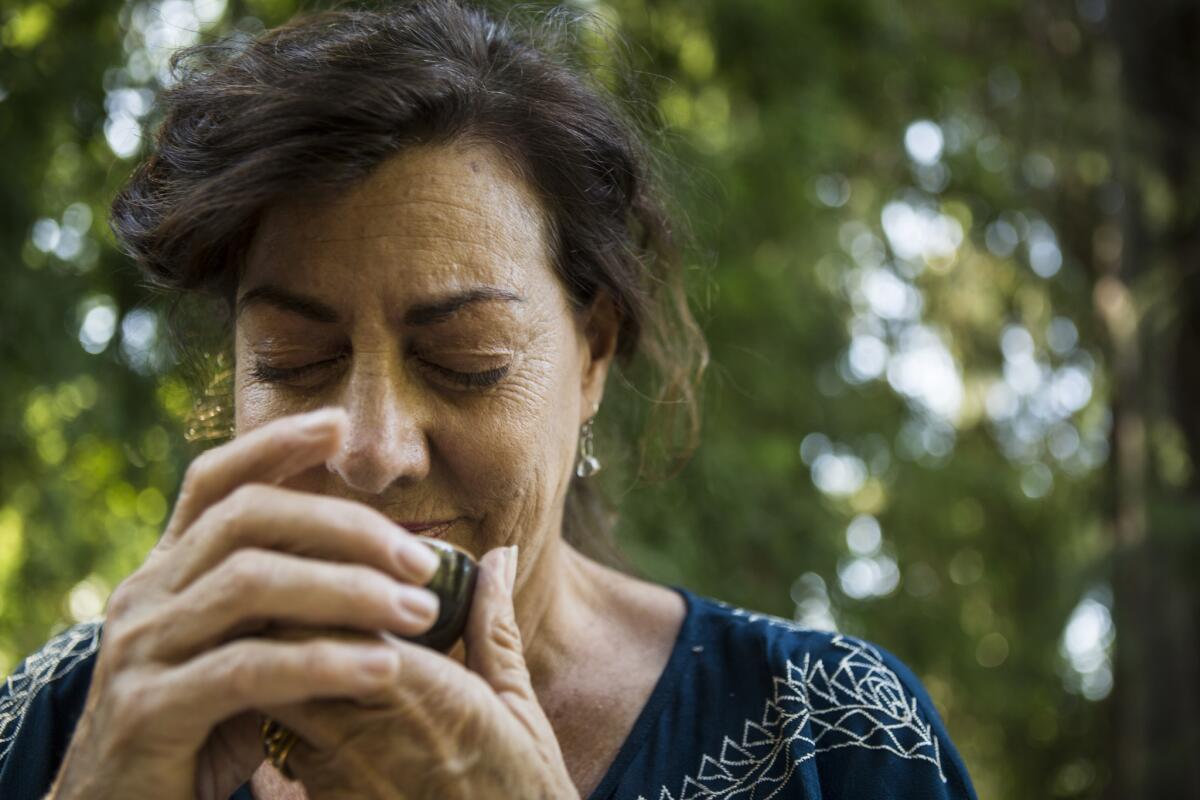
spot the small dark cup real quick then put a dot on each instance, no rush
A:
(454, 584)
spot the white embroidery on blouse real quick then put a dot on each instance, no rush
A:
(59, 656)
(857, 702)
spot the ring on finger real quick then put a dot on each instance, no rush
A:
(278, 742)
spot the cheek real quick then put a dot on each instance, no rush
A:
(520, 445)
(252, 407)
(256, 405)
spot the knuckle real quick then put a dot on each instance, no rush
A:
(314, 663)
(368, 591)
(123, 639)
(122, 599)
(505, 635)
(115, 644)
(244, 571)
(198, 470)
(222, 521)
(125, 608)
(244, 673)
(360, 584)
(320, 660)
(368, 518)
(113, 654)
(130, 710)
(245, 499)
(362, 519)
(355, 523)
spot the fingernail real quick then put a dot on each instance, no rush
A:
(417, 560)
(417, 604)
(510, 566)
(379, 664)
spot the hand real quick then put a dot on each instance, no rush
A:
(169, 711)
(441, 730)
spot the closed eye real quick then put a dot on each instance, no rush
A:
(261, 371)
(471, 380)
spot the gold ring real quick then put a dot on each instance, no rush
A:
(278, 742)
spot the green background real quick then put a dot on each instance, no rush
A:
(946, 258)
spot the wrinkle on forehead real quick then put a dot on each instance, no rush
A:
(475, 198)
(429, 222)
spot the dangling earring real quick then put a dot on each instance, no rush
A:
(587, 464)
(211, 417)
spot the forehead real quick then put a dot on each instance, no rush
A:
(428, 220)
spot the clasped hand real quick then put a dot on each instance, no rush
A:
(440, 729)
(187, 664)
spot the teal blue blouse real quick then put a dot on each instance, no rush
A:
(749, 707)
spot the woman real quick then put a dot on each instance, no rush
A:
(434, 239)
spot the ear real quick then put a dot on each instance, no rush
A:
(601, 326)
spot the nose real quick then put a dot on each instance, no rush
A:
(387, 440)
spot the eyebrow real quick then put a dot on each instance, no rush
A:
(422, 314)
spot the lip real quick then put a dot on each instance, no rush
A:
(434, 530)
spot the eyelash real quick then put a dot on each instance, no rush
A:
(471, 380)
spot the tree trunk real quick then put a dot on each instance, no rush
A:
(1152, 311)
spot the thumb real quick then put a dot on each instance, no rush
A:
(492, 638)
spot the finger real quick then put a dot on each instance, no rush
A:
(321, 527)
(493, 641)
(429, 681)
(270, 454)
(258, 673)
(253, 588)
(429, 684)
(235, 750)
(324, 724)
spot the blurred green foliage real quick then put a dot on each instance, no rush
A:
(904, 217)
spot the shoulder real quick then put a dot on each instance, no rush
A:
(851, 708)
(41, 701)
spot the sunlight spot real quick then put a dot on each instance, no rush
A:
(1062, 335)
(813, 608)
(992, 650)
(923, 140)
(863, 535)
(839, 473)
(867, 357)
(832, 190)
(86, 599)
(123, 134)
(99, 323)
(1036, 481)
(1086, 645)
(923, 370)
(865, 577)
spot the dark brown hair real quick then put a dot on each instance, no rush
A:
(324, 99)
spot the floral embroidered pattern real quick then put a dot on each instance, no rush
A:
(60, 655)
(853, 700)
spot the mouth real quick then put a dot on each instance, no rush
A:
(434, 530)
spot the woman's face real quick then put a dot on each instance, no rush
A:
(423, 301)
